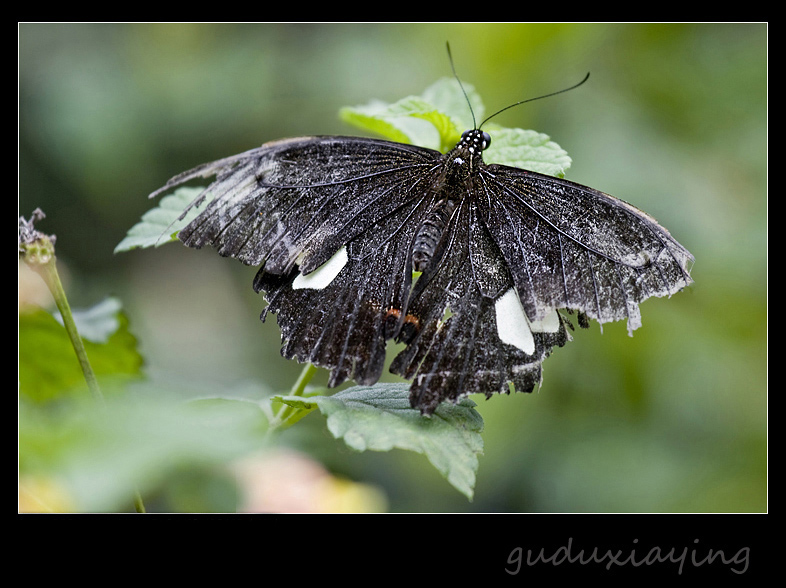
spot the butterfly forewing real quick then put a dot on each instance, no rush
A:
(569, 246)
(297, 201)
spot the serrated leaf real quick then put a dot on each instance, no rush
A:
(48, 366)
(394, 122)
(434, 120)
(446, 95)
(528, 150)
(374, 117)
(437, 118)
(379, 418)
(161, 224)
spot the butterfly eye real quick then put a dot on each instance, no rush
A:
(486, 140)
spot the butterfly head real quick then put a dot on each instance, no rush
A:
(475, 140)
(466, 157)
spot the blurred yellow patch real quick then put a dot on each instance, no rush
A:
(42, 495)
(289, 481)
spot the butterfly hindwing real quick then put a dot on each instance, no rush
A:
(344, 325)
(457, 304)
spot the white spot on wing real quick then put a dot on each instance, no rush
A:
(324, 274)
(549, 324)
(512, 324)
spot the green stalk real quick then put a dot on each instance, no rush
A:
(139, 506)
(48, 271)
(286, 411)
(303, 379)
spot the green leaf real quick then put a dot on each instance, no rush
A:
(446, 95)
(48, 366)
(379, 418)
(299, 402)
(375, 117)
(301, 405)
(437, 118)
(434, 120)
(101, 454)
(527, 149)
(161, 225)
(391, 123)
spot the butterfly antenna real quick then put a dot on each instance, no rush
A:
(536, 98)
(453, 67)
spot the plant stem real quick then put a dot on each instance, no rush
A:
(286, 411)
(48, 272)
(139, 506)
(303, 379)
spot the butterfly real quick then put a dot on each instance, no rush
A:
(475, 268)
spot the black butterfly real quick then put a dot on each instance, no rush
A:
(338, 225)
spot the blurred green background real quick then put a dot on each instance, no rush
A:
(673, 120)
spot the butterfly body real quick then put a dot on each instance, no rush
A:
(498, 253)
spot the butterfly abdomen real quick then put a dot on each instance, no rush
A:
(430, 232)
(409, 326)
